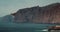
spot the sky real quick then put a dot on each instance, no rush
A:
(11, 6)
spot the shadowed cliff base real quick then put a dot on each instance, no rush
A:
(46, 14)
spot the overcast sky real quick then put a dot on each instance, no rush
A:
(11, 6)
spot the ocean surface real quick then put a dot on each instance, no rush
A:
(24, 27)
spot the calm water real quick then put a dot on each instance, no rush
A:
(25, 27)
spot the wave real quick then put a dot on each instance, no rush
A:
(42, 30)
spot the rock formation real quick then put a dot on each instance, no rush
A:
(46, 14)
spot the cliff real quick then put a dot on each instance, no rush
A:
(46, 14)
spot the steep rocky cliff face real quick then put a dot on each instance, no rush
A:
(47, 14)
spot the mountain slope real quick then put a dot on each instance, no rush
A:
(46, 14)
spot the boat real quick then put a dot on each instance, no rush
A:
(54, 28)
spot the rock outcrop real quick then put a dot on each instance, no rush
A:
(46, 14)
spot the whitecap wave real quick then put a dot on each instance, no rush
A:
(45, 30)
(42, 30)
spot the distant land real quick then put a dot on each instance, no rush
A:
(46, 14)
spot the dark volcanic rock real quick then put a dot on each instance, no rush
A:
(47, 14)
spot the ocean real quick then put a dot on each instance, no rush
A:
(25, 27)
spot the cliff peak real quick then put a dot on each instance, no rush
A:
(36, 14)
